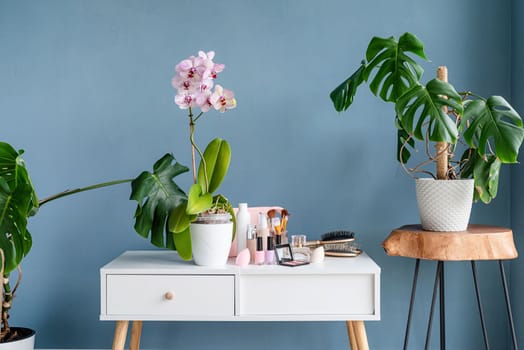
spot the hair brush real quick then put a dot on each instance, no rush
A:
(337, 243)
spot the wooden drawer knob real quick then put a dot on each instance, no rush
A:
(169, 296)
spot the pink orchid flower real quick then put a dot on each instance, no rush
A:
(222, 99)
(185, 100)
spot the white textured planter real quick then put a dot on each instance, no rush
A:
(211, 243)
(27, 343)
(444, 205)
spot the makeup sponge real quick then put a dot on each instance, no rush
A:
(243, 257)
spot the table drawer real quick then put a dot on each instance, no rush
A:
(175, 295)
(347, 294)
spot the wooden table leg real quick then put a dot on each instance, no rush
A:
(351, 335)
(360, 335)
(136, 331)
(120, 335)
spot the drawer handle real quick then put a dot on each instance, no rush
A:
(169, 296)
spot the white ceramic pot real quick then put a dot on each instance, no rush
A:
(26, 343)
(444, 205)
(211, 243)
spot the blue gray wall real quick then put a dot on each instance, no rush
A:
(85, 90)
(517, 172)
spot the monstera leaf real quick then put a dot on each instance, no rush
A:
(484, 170)
(343, 94)
(13, 170)
(493, 119)
(15, 240)
(217, 157)
(157, 195)
(426, 104)
(397, 71)
(17, 201)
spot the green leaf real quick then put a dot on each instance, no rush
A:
(157, 195)
(420, 109)
(183, 244)
(494, 121)
(198, 202)
(343, 94)
(13, 170)
(17, 200)
(486, 174)
(396, 72)
(217, 157)
(15, 239)
(179, 220)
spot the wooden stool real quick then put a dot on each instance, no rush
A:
(479, 242)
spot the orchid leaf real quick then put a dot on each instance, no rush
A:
(495, 125)
(421, 109)
(217, 157)
(396, 71)
(198, 202)
(183, 244)
(179, 220)
(343, 94)
(157, 195)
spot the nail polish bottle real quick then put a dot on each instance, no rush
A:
(251, 241)
(259, 254)
(270, 252)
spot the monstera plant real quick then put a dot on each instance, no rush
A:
(18, 201)
(487, 132)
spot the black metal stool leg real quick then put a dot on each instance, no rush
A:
(442, 310)
(508, 305)
(435, 288)
(412, 301)
(479, 302)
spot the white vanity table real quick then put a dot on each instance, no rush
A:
(158, 286)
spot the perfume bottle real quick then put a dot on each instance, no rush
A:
(299, 249)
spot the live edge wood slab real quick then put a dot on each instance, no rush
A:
(478, 242)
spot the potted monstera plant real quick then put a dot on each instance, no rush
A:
(18, 201)
(201, 219)
(473, 136)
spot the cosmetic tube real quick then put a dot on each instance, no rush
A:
(270, 252)
(251, 241)
(262, 229)
(259, 254)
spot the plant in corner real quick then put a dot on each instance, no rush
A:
(164, 210)
(488, 132)
(18, 201)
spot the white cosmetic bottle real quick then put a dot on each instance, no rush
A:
(243, 220)
(263, 229)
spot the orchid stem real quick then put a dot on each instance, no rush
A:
(195, 147)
